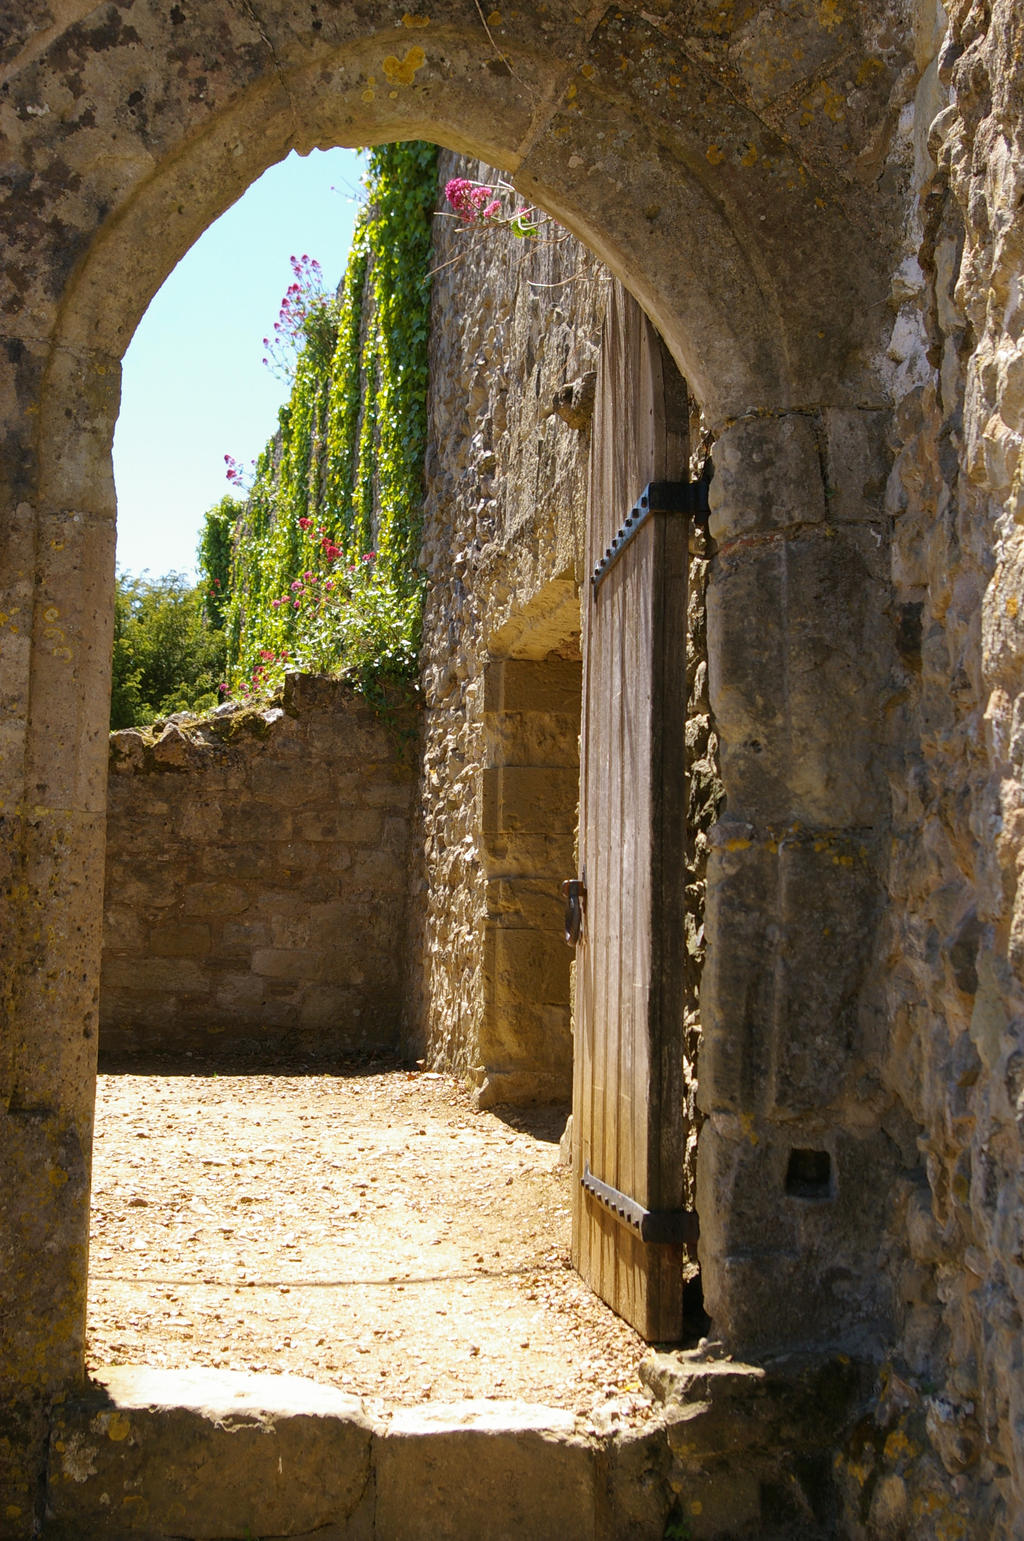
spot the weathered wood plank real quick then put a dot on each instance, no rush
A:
(628, 1075)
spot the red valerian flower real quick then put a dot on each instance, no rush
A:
(472, 201)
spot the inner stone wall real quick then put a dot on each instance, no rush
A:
(515, 338)
(943, 1454)
(255, 881)
(514, 343)
(515, 324)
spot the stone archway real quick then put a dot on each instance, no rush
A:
(727, 165)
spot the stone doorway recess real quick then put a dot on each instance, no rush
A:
(734, 218)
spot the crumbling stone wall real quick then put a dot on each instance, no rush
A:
(255, 881)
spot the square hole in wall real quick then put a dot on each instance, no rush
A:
(809, 1174)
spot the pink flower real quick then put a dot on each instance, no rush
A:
(297, 605)
(296, 587)
(328, 586)
(468, 199)
(304, 524)
(276, 603)
(307, 576)
(370, 556)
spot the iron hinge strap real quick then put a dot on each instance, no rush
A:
(672, 1227)
(656, 498)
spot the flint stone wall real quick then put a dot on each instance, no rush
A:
(257, 863)
(502, 548)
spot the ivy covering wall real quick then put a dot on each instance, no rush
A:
(323, 572)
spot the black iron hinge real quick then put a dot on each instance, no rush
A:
(671, 1227)
(657, 498)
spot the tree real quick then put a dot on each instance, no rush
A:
(167, 656)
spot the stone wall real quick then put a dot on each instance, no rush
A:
(769, 182)
(515, 339)
(945, 1435)
(515, 324)
(257, 863)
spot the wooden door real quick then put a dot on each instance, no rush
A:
(628, 1088)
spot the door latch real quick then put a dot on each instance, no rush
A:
(575, 892)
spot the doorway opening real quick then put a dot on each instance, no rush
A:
(525, 820)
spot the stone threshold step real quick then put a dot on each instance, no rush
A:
(153, 1454)
(214, 1455)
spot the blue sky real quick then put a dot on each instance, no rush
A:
(194, 386)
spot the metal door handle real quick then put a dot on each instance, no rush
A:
(575, 893)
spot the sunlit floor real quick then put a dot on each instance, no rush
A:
(371, 1231)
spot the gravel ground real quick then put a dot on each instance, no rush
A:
(369, 1230)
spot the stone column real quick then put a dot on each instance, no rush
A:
(793, 1161)
(57, 607)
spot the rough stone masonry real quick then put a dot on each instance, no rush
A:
(821, 210)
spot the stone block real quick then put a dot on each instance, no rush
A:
(320, 824)
(374, 871)
(786, 1263)
(518, 855)
(338, 1009)
(533, 685)
(768, 476)
(638, 1497)
(534, 738)
(361, 826)
(800, 652)
(207, 1453)
(790, 925)
(529, 799)
(520, 1088)
(250, 821)
(291, 963)
(526, 966)
(519, 1037)
(258, 862)
(238, 991)
(534, 903)
(308, 783)
(223, 898)
(165, 978)
(490, 1470)
(67, 746)
(720, 1503)
(123, 928)
(238, 937)
(859, 461)
(184, 940)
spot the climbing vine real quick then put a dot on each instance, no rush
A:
(324, 570)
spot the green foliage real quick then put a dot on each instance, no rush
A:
(324, 572)
(214, 556)
(167, 656)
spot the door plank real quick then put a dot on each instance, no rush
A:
(628, 1070)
